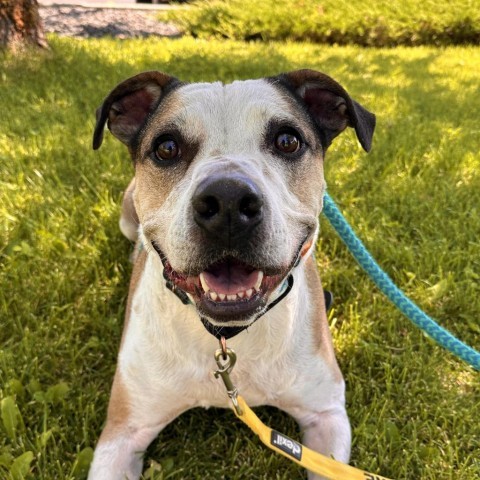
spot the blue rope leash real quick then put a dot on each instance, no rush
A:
(393, 293)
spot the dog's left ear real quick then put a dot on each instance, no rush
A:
(129, 104)
(331, 106)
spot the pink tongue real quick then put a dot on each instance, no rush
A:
(230, 278)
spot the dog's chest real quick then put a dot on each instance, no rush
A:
(166, 348)
(167, 354)
(155, 364)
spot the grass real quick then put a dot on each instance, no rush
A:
(64, 265)
(378, 23)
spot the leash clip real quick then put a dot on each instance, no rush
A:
(226, 359)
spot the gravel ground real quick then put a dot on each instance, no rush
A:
(74, 21)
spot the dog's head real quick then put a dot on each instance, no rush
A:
(229, 178)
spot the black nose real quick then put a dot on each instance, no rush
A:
(227, 208)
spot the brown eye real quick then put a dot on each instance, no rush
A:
(288, 142)
(167, 150)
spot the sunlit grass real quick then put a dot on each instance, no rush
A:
(64, 266)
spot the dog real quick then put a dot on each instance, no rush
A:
(224, 210)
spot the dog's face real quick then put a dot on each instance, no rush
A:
(229, 178)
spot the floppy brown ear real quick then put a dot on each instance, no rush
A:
(128, 105)
(331, 106)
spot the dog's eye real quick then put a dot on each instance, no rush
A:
(167, 149)
(288, 141)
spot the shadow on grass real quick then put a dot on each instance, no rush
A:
(222, 446)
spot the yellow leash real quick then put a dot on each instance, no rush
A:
(298, 453)
(313, 461)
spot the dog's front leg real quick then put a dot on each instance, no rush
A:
(119, 453)
(323, 421)
(327, 432)
(133, 422)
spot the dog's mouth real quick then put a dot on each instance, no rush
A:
(230, 290)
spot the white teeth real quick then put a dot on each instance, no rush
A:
(204, 283)
(229, 297)
(259, 281)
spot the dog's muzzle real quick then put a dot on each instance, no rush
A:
(226, 314)
(234, 289)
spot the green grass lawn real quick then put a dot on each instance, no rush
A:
(64, 269)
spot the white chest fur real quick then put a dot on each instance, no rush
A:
(168, 357)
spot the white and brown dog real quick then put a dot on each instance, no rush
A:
(224, 208)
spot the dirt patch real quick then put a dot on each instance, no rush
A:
(74, 21)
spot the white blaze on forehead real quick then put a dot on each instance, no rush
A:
(231, 118)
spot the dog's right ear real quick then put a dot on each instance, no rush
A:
(128, 105)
